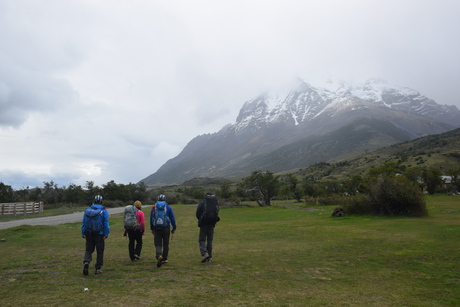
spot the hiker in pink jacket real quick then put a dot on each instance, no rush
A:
(135, 234)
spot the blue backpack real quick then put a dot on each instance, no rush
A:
(93, 221)
(160, 218)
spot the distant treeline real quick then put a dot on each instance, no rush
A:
(52, 195)
(378, 190)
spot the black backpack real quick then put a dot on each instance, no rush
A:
(211, 210)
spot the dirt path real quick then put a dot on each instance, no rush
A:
(54, 220)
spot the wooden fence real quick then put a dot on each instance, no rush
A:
(14, 209)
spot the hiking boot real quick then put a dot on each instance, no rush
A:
(164, 261)
(210, 259)
(136, 257)
(205, 258)
(85, 268)
(98, 271)
(159, 261)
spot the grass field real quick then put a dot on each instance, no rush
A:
(262, 256)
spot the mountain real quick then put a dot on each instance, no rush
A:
(289, 129)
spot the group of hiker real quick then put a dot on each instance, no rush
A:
(95, 229)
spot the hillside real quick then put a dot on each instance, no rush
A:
(441, 151)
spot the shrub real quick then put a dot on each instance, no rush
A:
(396, 195)
(358, 204)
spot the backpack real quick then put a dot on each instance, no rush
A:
(93, 221)
(211, 210)
(130, 219)
(160, 217)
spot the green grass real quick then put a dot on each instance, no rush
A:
(262, 256)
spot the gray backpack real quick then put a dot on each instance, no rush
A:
(131, 221)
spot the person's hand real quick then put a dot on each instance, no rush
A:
(104, 237)
(84, 237)
(173, 231)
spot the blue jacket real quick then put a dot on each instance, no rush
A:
(169, 213)
(105, 221)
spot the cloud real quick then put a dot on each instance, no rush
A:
(110, 90)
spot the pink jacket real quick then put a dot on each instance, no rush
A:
(141, 219)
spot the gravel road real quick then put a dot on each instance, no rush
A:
(55, 219)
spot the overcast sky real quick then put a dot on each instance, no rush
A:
(100, 90)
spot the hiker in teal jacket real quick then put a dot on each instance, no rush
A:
(95, 230)
(162, 233)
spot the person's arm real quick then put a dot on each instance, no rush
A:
(199, 210)
(83, 230)
(106, 226)
(141, 219)
(152, 212)
(172, 218)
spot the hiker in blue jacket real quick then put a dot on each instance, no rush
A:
(95, 229)
(161, 219)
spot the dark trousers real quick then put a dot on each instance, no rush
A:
(161, 241)
(205, 239)
(95, 242)
(135, 243)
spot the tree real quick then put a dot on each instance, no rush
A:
(292, 182)
(387, 168)
(51, 193)
(225, 190)
(74, 194)
(284, 192)
(6, 193)
(353, 185)
(432, 179)
(454, 179)
(397, 195)
(261, 186)
(298, 194)
(413, 173)
(139, 191)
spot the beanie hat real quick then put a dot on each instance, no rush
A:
(138, 204)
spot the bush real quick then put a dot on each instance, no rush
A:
(358, 204)
(115, 203)
(396, 195)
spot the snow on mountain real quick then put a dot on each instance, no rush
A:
(304, 102)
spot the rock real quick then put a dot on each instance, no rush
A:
(338, 212)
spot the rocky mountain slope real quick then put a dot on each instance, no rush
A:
(285, 130)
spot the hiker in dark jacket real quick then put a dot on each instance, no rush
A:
(207, 224)
(95, 239)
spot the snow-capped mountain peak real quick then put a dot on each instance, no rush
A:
(303, 102)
